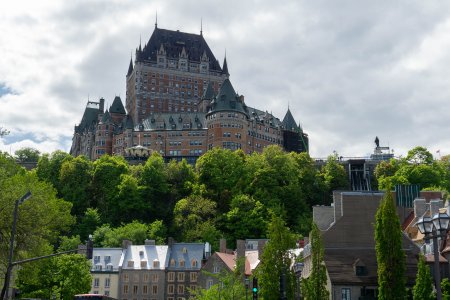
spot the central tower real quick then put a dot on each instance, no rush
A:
(170, 74)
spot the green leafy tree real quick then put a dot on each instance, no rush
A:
(445, 287)
(276, 260)
(246, 218)
(27, 154)
(135, 231)
(158, 231)
(88, 224)
(315, 286)
(129, 199)
(75, 177)
(220, 170)
(155, 188)
(105, 181)
(61, 277)
(49, 168)
(194, 219)
(40, 219)
(388, 246)
(230, 286)
(334, 176)
(423, 289)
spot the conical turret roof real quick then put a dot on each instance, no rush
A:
(209, 92)
(227, 99)
(117, 106)
(130, 67)
(289, 122)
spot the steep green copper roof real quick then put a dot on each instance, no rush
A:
(117, 106)
(209, 92)
(90, 117)
(289, 122)
(227, 99)
(130, 67)
(225, 67)
(106, 117)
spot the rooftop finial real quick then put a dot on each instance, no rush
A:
(201, 26)
(156, 20)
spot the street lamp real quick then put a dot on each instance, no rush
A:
(298, 268)
(434, 228)
(11, 241)
(247, 283)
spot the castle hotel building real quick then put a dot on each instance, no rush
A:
(180, 102)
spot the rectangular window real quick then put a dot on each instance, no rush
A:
(125, 289)
(180, 276)
(145, 289)
(135, 289)
(107, 282)
(155, 278)
(181, 289)
(346, 294)
(96, 282)
(170, 289)
(193, 276)
(154, 289)
(171, 276)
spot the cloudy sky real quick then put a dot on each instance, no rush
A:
(349, 70)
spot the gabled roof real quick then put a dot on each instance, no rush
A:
(174, 42)
(289, 122)
(227, 99)
(117, 106)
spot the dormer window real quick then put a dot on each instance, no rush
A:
(98, 267)
(184, 250)
(107, 259)
(172, 262)
(155, 263)
(181, 263)
(194, 263)
(360, 270)
(96, 259)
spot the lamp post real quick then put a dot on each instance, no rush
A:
(298, 268)
(434, 228)
(11, 242)
(247, 282)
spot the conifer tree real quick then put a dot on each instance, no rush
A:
(388, 246)
(423, 289)
(315, 286)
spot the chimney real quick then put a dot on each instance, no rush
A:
(261, 244)
(241, 98)
(435, 204)
(420, 207)
(150, 242)
(240, 255)
(101, 105)
(170, 241)
(223, 245)
(126, 244)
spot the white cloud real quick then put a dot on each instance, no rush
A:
(349, 70)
